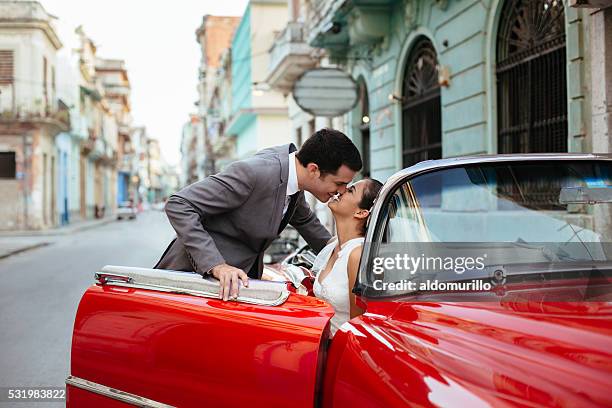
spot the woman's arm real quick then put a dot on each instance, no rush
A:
(353, 267)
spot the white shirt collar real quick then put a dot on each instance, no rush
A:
(292, 182)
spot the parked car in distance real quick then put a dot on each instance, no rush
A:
(534, 329)
(126, 209)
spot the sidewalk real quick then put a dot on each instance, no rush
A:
(14, 242)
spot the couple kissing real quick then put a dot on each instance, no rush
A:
(225, 222)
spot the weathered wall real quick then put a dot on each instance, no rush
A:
(29, 47)
(272, 130)
(12, 191)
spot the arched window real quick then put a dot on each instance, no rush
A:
(531, 79)
(421, 113)
(364, 128)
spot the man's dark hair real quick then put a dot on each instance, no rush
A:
(370, 192)
(329, 149)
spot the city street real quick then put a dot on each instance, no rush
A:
(464, 148)
(41, 289)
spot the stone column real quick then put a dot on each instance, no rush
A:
(600, 32)
(601, 77)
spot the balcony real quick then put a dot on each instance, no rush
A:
(290, 57)
(55, 116)
(326, 26)
(99, 149)
(338, 26)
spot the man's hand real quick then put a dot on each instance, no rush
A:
(228, 280)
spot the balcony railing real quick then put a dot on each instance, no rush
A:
(290, 56)
(338, 25)
(320, 15)
(57, 114)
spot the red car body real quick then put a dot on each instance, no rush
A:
(164, 346)
(535, 345)
(511, 353)
(399, 353)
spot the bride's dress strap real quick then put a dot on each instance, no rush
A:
(323, 256)
(349, 245)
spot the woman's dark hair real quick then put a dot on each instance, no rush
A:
(370, 192)
(329, 149)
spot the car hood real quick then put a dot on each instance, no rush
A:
(523, 351)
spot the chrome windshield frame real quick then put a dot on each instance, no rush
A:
(429, 166)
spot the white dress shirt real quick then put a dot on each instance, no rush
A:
(292, 182)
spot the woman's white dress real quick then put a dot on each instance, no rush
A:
(334, 288)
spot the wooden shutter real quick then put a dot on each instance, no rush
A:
(6, 67)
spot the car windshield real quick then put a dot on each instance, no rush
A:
(521, 217)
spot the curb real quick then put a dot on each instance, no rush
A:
(24, 249)
(88, 226)
(57, 231)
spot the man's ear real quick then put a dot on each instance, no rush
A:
(313, 169)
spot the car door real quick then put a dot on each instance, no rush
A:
(166, 338)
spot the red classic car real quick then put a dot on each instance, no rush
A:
(528, 323)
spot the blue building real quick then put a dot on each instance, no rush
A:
(258, 114)
(457, 77)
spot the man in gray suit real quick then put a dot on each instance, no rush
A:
(225, 222)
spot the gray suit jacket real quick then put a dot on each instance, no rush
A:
(233, 216)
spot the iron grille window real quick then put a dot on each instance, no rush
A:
(531, 78)
(7, 165)
(421, 112)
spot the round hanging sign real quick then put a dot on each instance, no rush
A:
(326, 92)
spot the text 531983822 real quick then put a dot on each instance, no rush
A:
(32, 394)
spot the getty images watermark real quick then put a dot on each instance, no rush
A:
(405, 263)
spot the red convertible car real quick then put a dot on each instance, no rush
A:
(527, 323)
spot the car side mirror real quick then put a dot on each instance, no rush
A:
(303, 257)
(302, 260)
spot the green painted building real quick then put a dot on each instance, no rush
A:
(457, 77)
(258, 116)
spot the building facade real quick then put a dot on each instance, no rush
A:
(68, 143)
(31, 116)
(440, 78)
(155, 171)
(116, 84)
(141, 164)
(290, 57)
(259, 114)
(457, 77)
(218, 114)
(192, 150)
(98, 166)
(214, 36)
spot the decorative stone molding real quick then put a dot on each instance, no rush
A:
(411, 12)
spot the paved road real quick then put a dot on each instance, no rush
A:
(40, 290)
